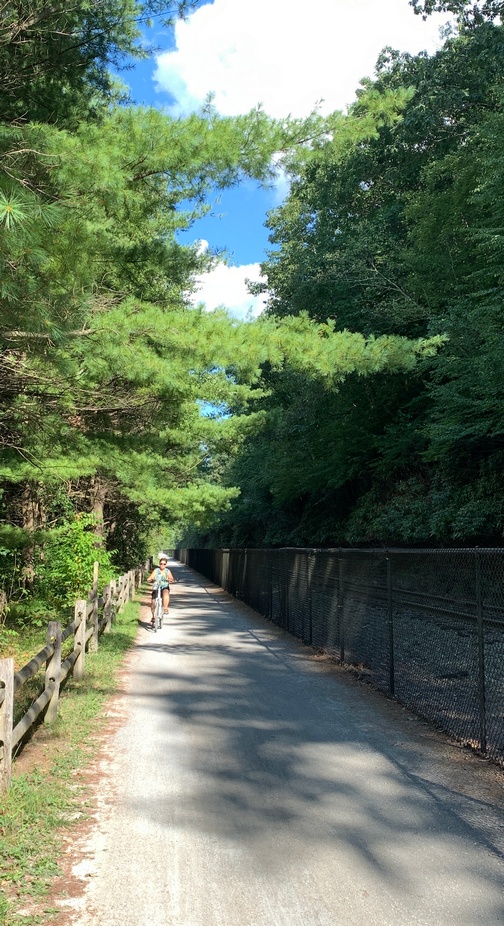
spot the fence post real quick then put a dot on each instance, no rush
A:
(481, 653)
(286, 596)
(390, 622)
(341, 615)
(270, 577)
(113, 600)
(6, 718)
(107, 609)
(53, 670)
(120, 594)
(310, 562)
(93, 640)
(80, 638)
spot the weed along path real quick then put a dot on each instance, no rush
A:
(248, 782)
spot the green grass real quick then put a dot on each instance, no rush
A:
(40, 805)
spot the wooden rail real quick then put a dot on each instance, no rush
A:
(92, 617)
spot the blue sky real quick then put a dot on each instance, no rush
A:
(286, 55)
(237, 223)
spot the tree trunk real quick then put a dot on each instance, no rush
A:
(98, 495)
(33, 518)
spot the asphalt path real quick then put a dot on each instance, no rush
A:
(248, 782)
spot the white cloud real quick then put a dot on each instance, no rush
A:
(284, 55)
(226, 286)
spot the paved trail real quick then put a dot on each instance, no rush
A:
(253, 785)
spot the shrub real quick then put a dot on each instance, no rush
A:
(66, 559)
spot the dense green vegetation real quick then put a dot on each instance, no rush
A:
(365, 406)
(104, 363)
(397, 233)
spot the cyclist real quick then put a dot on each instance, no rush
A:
(161, 577)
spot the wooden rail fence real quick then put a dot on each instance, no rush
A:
(92, 617)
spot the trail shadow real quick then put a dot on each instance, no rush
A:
(278, 751)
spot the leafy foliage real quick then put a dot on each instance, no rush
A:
(104, 365)
(67, 557)
(470, 13)
(55, 58)
(365, 406)
(391, 230)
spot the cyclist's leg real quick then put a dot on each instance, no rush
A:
(166, 599)
(153, 606)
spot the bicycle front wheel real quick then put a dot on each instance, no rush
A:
(158, 622)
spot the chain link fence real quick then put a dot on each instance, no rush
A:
(426, 626)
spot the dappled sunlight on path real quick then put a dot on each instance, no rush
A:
(258, 785)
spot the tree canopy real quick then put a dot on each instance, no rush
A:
(470, 13)
(122, 404)
(393, 233)
(365, 405)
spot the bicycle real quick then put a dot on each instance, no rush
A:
(158, 610)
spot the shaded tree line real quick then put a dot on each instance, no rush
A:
(399, 231)
(105, 365)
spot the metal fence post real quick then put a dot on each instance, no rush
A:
(339, 606)
(6, 720)
(310, 570)
(286, 596)
(481, 653)
(390, 622)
